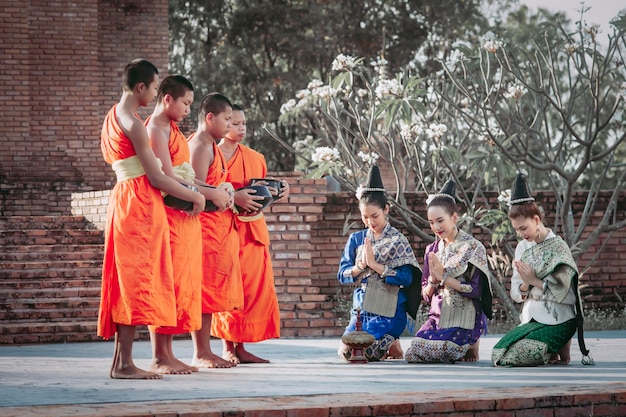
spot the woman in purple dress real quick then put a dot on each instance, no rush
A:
(455, 284)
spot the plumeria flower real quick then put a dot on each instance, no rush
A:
(288, 106)
(359, 192)
(436, 130)
(303, 94)
(325, 154)
(388, 88)
(570, 48)
(515, 91)
(504, 196)
(324, 91)
(314, 84)
(343, 62)
(369, 158)
(492, 45)
(430, 198)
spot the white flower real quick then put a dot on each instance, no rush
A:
(490, 42)
(570, 48)
(369, 158)
(361, 92)
(303, 94)
(436, 130)
(324, 91)
(343, 62)
(515, 91)
(359, 192)
(314, 84)
(430, 198)
(325, 154)
(288, 106)
(388, 88)
(405, 132)
(492, 45)
(505, 196)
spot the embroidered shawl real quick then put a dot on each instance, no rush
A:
(458, 258)
(554, 264)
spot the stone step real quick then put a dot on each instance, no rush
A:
(48, 308)
(44, 222)
(50, 268)
(25, 285)
(51, 237)
(9, 295)
(61, 331)
(54, 253)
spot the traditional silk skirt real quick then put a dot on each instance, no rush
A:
(532, 343)
(433, 344)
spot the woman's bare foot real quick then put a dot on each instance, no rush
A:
(395, 351)
(562, 357)
(211, 360)
(472, 353)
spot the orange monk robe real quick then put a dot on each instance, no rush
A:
(186, 245)
(137, 275)
(260, 318)
(221, 281)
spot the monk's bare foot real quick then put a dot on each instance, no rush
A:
(169, 366)
(472, 354)
(132, 372)
(211, 361)
(395, 351)
(247, 357)
(230, 357)
(189, 367)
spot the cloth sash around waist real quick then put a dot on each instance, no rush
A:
(129, 168)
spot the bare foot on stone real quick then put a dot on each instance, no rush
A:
(472, 354)
(211, 361)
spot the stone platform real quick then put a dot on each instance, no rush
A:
(305, 378)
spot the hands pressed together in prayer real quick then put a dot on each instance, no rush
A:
(368, 259)
(527, 274)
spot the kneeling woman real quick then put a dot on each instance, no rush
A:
(545, 279)
(382, 260)
(456, 285)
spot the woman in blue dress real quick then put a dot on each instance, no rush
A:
(381, 260)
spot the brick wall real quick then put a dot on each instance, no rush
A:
(61, 72)
(309, 232)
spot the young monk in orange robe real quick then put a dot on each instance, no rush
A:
(222, 289)
(260, 318)
(174, 99)
(137, 275)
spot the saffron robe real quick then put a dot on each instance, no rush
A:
(222, 289)
(260, 317)
(186, 246)
(137, 274)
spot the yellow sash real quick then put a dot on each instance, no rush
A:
(129, 168)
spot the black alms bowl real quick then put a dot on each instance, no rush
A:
(261, 190)
(179, 204)
(270, 182)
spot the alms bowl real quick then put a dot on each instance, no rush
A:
(262, 191)
(269, 182)
(180, 204)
